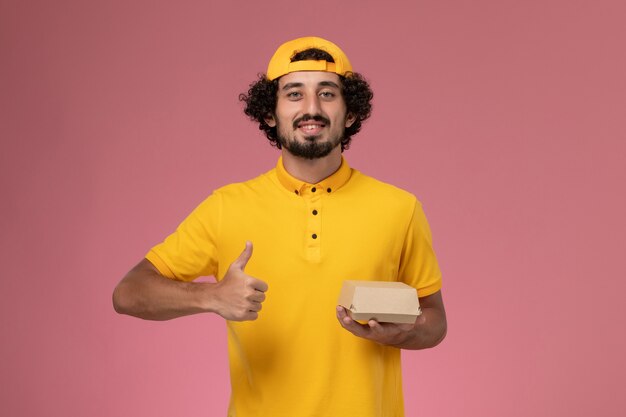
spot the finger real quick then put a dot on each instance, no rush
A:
(258, 297)
(259, 285)
(252, 315)
(345, 318)
(352, 326)
(356, 328)
(245, 316)
(256, 307)
(376, 327)
(241, 262)
(341, 312)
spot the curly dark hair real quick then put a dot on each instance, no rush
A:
(262, 96)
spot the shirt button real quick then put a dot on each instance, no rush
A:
(313, 190)
(328, 189)
(315, 212)
(314, 236)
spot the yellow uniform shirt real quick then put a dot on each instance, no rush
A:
(296, 360)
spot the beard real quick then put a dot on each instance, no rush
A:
(311, 148)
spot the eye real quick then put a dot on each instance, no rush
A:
(294, 95)
(327, 94)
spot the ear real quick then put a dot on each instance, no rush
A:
(350, 119)
(270, 120)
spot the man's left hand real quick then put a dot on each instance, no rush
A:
(429, 329)
(392, 334)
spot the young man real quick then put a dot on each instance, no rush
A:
(314, 223)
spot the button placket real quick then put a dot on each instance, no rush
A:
(313, 236)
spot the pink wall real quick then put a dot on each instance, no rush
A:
(506, 118)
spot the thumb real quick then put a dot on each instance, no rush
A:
(242, 260)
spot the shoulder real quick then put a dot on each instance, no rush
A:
(241, 190)
(248, 194)
(375, 189)
(232, 198)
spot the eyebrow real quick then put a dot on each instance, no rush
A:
(328, 84)
(291, 85)
(321, 83)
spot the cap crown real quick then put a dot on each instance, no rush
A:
(281, 64)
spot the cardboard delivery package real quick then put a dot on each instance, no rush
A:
(383, 301)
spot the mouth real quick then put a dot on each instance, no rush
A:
(311, 126)
(311, 129)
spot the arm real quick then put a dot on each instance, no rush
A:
(146, 294)
(428, 331)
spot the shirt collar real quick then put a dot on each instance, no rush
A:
(328, 184)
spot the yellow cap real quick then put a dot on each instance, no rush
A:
(281, 64)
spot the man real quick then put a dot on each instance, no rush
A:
(314, 223)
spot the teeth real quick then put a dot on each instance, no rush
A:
(310, 127)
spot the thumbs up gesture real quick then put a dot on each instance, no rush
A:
(238, 296)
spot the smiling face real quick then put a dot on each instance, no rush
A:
(310, 116)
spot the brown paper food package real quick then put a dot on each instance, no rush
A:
(383, 301)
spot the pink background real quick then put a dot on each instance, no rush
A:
(506, 118)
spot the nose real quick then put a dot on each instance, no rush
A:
(312, 104)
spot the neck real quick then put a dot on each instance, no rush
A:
(312, 170)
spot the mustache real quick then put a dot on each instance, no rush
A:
(307, 117)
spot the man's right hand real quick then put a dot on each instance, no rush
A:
(238, 296)
(147, 294)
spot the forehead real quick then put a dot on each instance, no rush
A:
(309, 78)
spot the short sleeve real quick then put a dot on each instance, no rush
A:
(191, 251)
(418, 264)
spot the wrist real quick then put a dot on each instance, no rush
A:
(406, 338)
(204, 296)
